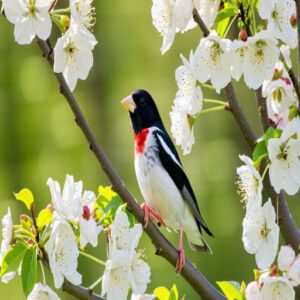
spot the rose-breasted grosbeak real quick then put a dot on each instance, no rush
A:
(164, 185)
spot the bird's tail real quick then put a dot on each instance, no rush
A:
(195, 238)
(202, 246)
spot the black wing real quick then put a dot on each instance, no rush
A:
(171, 162)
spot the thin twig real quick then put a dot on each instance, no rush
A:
(288, 228)
(295, 83)
(163, 247)
(262, 109)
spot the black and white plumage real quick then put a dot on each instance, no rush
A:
(160, 175)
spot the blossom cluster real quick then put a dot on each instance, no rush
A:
(62, 230)
(219, 60)
(73, 50)
(279, 280)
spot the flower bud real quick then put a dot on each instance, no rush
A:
(65, 20)
(285, 258)
(86, 213)
(293, 20)
(243, 36)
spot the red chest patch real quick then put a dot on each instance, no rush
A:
(140, 140)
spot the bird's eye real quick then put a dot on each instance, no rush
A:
(142, 102)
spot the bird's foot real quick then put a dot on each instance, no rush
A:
(180, 260)
(149, 213)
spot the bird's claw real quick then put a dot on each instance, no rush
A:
(180, 261)
(149, 213)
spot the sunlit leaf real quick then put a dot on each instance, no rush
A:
(230, 290)
(173, 293)
(12, 258)
(225, 13)
(25, 196)
(44, 217)
(162, 293)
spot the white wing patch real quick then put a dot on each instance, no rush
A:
(167, 149)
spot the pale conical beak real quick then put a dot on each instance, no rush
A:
(129, 104)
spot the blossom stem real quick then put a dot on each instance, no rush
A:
(216, 108)
(207, 86)
(91, 287)
(93, 258)
(56, 19)
(43, 272)
(61, 11)
(229, 26)
(214, 101)
(254, 20)
(265, 171)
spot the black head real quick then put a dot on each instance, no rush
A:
(143, 111)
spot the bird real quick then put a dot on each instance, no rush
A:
(164, 185)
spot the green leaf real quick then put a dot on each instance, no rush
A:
(12, 258)
(259, 153)
(162, 293)
(29, 270)
(272, 133)
(221, 27)
(225, 13)
(44, 217)
(230, 291)
(25, 196)
(173, 293)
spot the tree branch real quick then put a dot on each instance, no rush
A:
(298, 30)
(80, 292)
(288, 228)
(163, 247)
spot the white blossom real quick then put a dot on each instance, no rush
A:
(63, 253)
(7, 233)
(31, 18)
(89, 231)
(286, 257)
(182, 130)
(164, 21)
(143, 297)
(252, 291)
(73, 54)
(83, 12)
(250, 184)
(284, 155)
(68, 203)
(277, 288)
(140, 275)
(280, 97)
(42, 292)
(286, 53)
(261, 234)
(279, 14)
(260, 58)
(208, 10)
(293, 272)
(74, 206)
(124, 266)
(212, 60)
(238, 50)
(189, 98)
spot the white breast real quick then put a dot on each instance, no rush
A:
(157, 187)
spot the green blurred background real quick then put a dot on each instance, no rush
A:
(39, 137)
